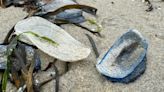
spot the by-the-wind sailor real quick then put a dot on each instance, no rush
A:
(126, 59)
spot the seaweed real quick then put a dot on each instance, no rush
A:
(93, 45)
(42, 37)
(85, 8)
(99, 27)
(26, 74)
(10, 49)
(150, 6)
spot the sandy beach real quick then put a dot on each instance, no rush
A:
(116, 17)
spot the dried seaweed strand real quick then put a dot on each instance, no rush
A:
(62, 21)
(85, 8)
(93, 45)
(11, 31)
(26, 73)
(150, 6)
(6, 40)
(2, 3)
(56, 76)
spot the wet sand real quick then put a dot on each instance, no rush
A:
(116, 17)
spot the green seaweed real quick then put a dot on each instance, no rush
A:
(93, 22)
(9, 51)
(4, 80)
(42, 38)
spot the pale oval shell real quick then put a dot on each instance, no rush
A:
(68, 49)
